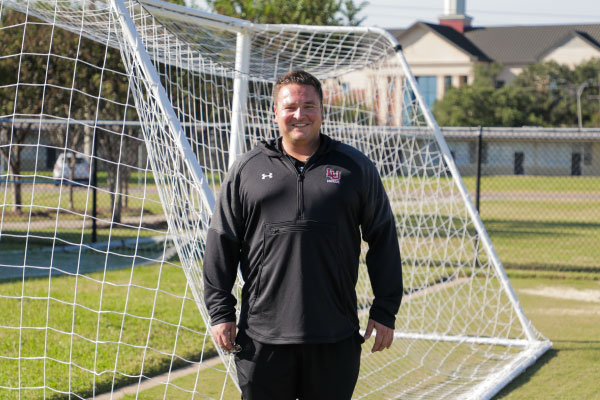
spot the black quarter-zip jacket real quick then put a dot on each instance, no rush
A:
(297, 236)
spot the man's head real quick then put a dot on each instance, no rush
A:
(298, 106)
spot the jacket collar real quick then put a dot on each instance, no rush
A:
(272, 147)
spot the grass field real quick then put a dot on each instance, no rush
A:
(542, 228)
(157, 296)
(542, 223)
(568, 313)
(160, 322)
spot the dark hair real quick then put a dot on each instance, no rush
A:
(299, 77)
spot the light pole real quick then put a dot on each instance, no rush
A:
(579, 92)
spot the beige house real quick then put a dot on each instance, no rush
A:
(444, 54)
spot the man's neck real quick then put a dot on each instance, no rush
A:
(301, 152)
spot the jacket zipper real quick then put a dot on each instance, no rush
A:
(301, 194)
(300, 188)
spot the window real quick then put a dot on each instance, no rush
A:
(519, 163)
(498, 84)
(447, 83)
(462, 80)
(428, 88)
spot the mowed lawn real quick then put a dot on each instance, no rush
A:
(539, 226)
(568, 313)
(55, 332)
(543, 223)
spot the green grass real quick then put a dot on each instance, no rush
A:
(545, 235)
(13, 239)
(568, 371)
(529, 183)
(102, 177)
(54, 345)
(45, 199)
(571, 369)
(205, 384)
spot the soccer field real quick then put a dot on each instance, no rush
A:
(566, 311)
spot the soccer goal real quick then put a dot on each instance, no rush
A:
(167, 96)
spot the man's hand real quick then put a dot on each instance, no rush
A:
(383, 338)
(224, 335)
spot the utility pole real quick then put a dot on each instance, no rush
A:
(579, 92)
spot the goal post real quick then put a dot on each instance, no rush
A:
(89, 318)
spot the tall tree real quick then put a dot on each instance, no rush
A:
(544, 94)
(304, 12)
(76, 71)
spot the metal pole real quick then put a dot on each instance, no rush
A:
(478, 224)
(162, 100)
(579, 92)
(478, 175)
(240, 96)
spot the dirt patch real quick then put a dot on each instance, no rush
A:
(557, 292)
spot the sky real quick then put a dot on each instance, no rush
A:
(402, 13)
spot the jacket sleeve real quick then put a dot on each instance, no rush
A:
(383, 257)
(222, 252)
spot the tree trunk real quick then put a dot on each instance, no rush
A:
(119, 201)
(15, 171)
(72, 161)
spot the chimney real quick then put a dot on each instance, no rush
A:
(454, 15)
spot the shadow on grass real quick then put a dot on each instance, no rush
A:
(527, 374)
(515, 228)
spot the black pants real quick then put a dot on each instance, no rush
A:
(325, 371)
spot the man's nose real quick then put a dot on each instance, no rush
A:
(298, 113)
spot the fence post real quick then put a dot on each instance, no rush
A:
(478, 174)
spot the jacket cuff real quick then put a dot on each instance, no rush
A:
(382, 317)
(222, 319)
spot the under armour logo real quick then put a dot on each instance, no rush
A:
(269, 175)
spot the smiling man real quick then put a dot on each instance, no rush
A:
(291, 212)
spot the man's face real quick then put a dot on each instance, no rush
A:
(299, 113)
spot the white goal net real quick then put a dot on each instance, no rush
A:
(153, 102)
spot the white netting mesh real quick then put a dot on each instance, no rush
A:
(111, 82)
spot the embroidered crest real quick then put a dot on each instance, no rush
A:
(333, 176)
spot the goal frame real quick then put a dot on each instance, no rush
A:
(531, 345)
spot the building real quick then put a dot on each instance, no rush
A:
(444, 54)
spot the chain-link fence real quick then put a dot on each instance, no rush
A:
(537, 191)
(54, 167)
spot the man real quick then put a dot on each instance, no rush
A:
(291, 212)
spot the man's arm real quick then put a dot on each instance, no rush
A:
(383, 259)
(221, 258)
